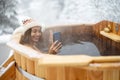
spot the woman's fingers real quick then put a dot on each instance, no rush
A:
(53, 44)
(55, 47)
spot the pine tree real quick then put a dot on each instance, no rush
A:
(8, 15)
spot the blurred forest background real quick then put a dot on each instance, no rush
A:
(8, 13)
(55, 12)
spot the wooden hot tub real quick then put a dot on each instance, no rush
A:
(105, 66)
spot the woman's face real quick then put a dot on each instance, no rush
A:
(36, 33)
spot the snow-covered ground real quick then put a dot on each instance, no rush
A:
(4, 38)
(4, 49)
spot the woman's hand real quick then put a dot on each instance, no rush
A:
(54, 48)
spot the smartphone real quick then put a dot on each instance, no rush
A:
(57, 36)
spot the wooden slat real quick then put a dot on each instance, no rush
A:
(94, 75)
(102, 59)
(112, 36)
(20, 76)
(17, 58)
(74, 60)
(114, 28)
(10, 59)
(24, 63)
(111, 75)
(9, 72)
(104, 66)
(76, 73)
(30, 66)
(119, 30)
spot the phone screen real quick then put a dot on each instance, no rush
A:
(57, 36)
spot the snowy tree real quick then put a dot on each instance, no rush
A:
(107, 9)
(8, 16)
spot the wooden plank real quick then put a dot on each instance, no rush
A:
(41, 71)
(20, 76)
(76, 73)
(17, 58)
(9, 72)
(61, 73)
(10, 59)
(111, 36)
(103, 59)
(114, 28)
(51, 73)
(119, 30)
(23, 63)
(94, 75)
(74, 60)
(111, 75)
(104, 66)
(30, 66)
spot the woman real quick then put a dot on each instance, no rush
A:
(32, 34)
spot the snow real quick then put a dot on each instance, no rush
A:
(55, 12)
(5, 38)
(4, 49)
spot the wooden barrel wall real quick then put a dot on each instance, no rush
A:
(73, 33)
(105, 45)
